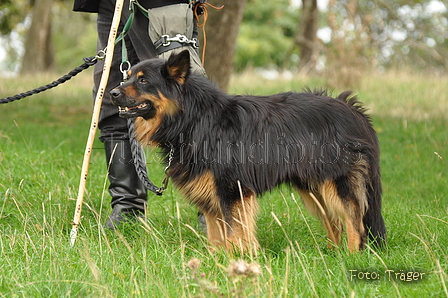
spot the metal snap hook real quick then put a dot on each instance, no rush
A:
(124, 68)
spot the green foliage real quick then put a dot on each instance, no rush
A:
(266, 34)
(365, 35)
(12, 13)
(42, 142)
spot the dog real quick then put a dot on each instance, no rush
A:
(226, 150)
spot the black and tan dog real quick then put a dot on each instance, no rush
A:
(227, 150)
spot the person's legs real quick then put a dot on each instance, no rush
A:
(129, 196)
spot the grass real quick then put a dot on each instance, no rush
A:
(42, 140)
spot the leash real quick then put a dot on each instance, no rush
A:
(88, 61)
(139, 158)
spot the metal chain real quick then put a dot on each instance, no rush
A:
(167, 178)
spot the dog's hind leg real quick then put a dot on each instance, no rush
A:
(316, 206)
(348, 209)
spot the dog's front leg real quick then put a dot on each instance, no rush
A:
(240, 217)
(216, 229)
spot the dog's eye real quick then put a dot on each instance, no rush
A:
(142, 81)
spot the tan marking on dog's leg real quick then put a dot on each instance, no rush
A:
(348, 211)
(216, 229)
(315, 204)
(355, 227)
(353, 236)
(334, 229)
(201, 191)
(335, 210)
(242, 228)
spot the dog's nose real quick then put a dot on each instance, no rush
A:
(115, 93)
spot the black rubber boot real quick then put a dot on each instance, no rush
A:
(129, 196)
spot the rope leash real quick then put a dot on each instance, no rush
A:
(88, 61)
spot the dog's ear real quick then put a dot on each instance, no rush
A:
(178, 67)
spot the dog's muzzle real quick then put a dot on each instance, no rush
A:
(127, 110)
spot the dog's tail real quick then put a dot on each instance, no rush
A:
(373, 219)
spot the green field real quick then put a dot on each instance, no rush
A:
(42, 141)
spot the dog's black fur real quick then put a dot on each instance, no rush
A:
(229, 149)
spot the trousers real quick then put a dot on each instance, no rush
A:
(139, 47)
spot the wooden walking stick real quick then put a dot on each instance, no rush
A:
(95, 116)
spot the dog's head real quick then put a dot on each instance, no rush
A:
(154, 87)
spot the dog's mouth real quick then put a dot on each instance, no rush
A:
(135, 111)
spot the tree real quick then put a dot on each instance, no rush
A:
(306, 36)
(38, 45)
(221, 33)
